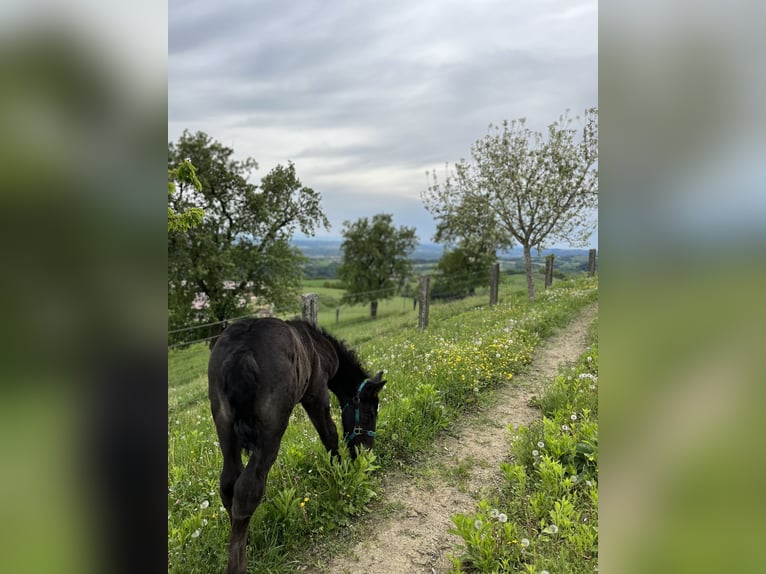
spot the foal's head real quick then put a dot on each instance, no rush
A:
(360, 414)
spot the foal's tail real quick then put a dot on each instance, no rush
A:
(239, 384)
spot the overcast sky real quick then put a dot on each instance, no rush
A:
(364, 97)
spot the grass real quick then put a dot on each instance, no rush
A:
(545, 516)
(434, 376)
(458, 473)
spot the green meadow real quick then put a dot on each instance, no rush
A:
(434, 376)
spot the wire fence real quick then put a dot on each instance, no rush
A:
(443, 286)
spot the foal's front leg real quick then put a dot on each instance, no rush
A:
(318, 411)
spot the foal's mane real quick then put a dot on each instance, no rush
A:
(346, 355)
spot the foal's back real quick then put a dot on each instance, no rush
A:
(256, 371)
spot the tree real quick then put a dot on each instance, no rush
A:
(527, 188)
(242, 246)
(461, 270)
(184, 173)
(376, 259)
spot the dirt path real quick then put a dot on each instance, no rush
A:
(414, 539)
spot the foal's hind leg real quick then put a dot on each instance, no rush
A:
(248, 492)
(232, 460)
(232, 470)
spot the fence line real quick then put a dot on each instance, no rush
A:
(416, 296)
(185, 343)
(209, 324)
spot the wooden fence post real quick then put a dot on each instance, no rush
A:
(424, 298)
(591, 263)
(494, 283)
(548, 271)
(310, 308)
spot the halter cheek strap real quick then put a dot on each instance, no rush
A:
(358, 431)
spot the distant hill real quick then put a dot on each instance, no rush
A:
(330, 248)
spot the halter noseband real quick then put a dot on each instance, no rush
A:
(358, 431)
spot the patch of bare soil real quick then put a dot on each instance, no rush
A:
(415, 538)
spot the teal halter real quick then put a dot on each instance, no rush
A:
(358, 431)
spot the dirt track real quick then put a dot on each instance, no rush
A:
(414, 539)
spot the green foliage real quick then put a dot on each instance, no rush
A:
(461, 270)
(522, 187)
(550, 494)
(346, 485)
(241, 248)
(376, 259)
(185, 173)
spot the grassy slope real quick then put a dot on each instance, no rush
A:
(433, 375)
(187, 367)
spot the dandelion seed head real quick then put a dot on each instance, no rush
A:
(535, 453)
(524, 542)
(196, 533)
(541, 444)
(502, 517)
(478, 524)
(204, 504)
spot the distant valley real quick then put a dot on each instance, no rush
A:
(330, 248)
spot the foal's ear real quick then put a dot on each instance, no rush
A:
(375, 383)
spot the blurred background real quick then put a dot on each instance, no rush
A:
(82, 345)
(682, 237)
(83, 353)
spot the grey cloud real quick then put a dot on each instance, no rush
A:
(354, 86)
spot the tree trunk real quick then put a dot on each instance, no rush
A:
(374, 309)
(528, 269)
